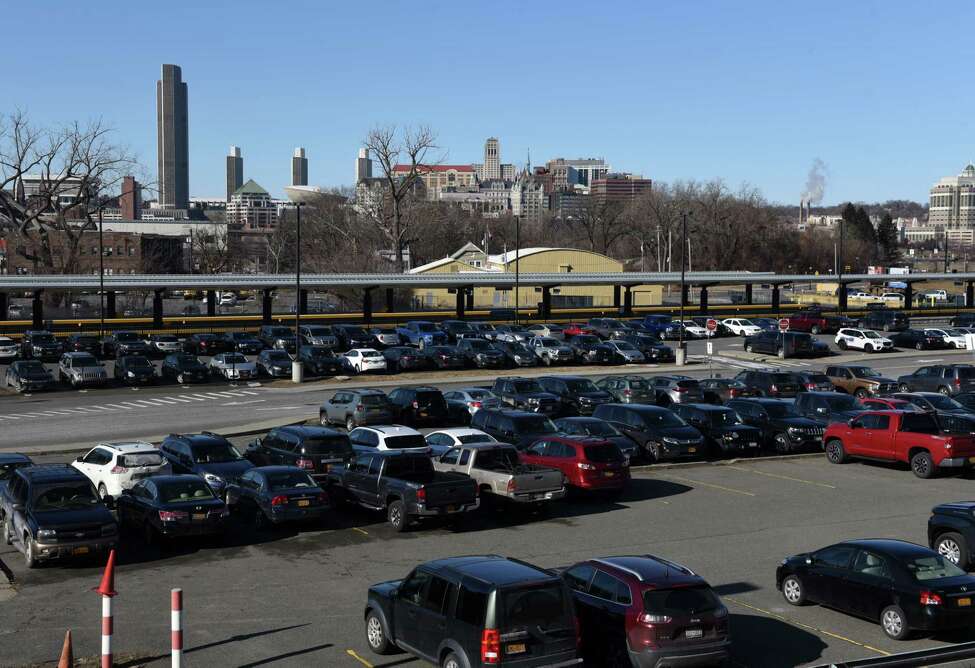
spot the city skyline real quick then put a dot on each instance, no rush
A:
(674, 93)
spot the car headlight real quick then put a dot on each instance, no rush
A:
(130, 374)
(213, 479)
(793, 431)
(669, 439)
(46, 533)
(481, 356)
(518, 358)
(533, 400)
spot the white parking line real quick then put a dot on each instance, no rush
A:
(128, 408)
(198, 397)
(165, 401)
(179, 399)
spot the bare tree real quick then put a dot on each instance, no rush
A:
(212, 251)
(601, 222)
(393, 213)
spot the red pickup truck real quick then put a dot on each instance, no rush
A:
(914, 438)
(817, 322)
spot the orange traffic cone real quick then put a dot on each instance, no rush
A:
(107, 587)
(67, 655)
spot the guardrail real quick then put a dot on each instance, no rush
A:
(937, 656)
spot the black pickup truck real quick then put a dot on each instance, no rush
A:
(951, 532)
(404, 485)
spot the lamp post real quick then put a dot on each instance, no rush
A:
(101, 278)
(517, 265)
(297, 371)
(681, 346)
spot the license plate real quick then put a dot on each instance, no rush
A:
(971, 460)
(303, 503)
(80, 550)
(516, 648)
(692, 449)
(694, 633)
(423, 414)
(199, 517)
(753, 445)
(609, 474)
(964, 602)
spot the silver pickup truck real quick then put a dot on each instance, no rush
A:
(501, 475)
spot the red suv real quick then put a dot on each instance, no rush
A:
(591, 464)
(647, 612)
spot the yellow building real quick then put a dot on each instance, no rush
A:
(471, 259)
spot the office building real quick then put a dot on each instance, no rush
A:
(363, 165)
(586, 170)
(618, 187)
(130, 201)
(235, 171)
(492, 159)
(172, 139)
(952, 202)
(68, 190)
(528, 199)
(508, 172)
(442, 178)
(251, 209)
(299, 168)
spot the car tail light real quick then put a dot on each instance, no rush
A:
(957, 381)
(421, 495)
(303, 463)
(773, 388)
(119, 469)
(475, 404)
(927, 598)
(279, 500)
(680, 389)
(172, 515)
(360, 407)
(512, 486)
(490, 646)
(810, 386)
(650, 619)
(586, 467)
(416, 405)
(733, 392)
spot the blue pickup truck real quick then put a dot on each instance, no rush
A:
(421, 333)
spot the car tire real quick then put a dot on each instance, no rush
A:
(451, 661)
(376, 636)
(944, 390)
(952, 546)
(546, 360)
(180, 379)
(782, 445)
(922, 465)
(653, 452)
(780, 353)
(102, 492)
(792, 590)
(841, 344)
(861, 393)
(350, 423)
(8, 536)
(903, 387)
(749, 348)
(835, 453)
(918, 346)
(261, 521)
(894, 623)
(30, 552)
(323, 418)
(396, 514)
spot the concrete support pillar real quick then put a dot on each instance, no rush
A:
(704, 299)
(390, 302)
(157, 308)
(685, 295)
(841, 298)
(266, 304)
(303, 301)
(546, 311)
(627, 301)
(748, 294)
(110, 308)
(367, 305)
(775, 298)
(38, 308)
(4, 303)
(616, 297)
(211, 303)
(469, 295)
(460, 303)
(909, 295)
(969, 294)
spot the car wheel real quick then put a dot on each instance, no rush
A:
(8, 536)
(653, 452)
(180, 379)
(451, 661)
(323, 418)
(835, 453)
(30, 552)
(546, 360)
(918, 346)
(922, 464)
(749, 348)
(903, 387)
(893, 623)
(816, 330)
(102, 491)
(952, 546)
(782, 446)
(396, 513)
(861, 393)
(350, 423)
(261, 522)
(793, 591)
(376, 635)
(841, 344)
(781, 353)
(945, 391)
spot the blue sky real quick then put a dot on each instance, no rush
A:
(746, 91)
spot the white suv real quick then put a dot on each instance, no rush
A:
(741, 326)
(866, 340)
(8, 348)
(112, 467)
(388, 437)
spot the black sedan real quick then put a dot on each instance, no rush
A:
(184, 368)
(171, 506)
(134, 370)
(903, 586)
(28, 376)
(405, 358)
(918, 339)
(275, 494)
(319, 361)
(275, 363)
(445, 357)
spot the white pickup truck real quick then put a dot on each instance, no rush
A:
(500, 474)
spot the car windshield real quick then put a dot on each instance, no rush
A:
(479, 344)
(318, 331)
(581, 385)
(603, 453)
(214, 453)
(475, 438)
(497, 459)
(864, 372)
(661, 418)
(535, 425)
(277, 356)
(280, 331)
(138, 363)
(518, 329)
(126, 336)
(289, 480)
(69, 496)
(137, 459)
(336, 446)
(541, 607)
(780, 410)
(932, 567)
(724, 417)
(184, 491)
(817, 378)
(680, 602)
(745, 323)
(480, 395)
(600, 428)
(586, 339)
(485, 327)
(519, 348)
(426, 327)
(189, 361)
(527, 386)
(870, 334)
(316, 352)
(548, 342)
(371, 353)
(943, 403)
(405, 441)
(842, 402)
(85, 360)
(234, 358)
(165, 338)
(625, 345)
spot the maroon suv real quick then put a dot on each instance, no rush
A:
(647, 612)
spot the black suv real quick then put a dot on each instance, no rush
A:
(206, 454)
(277, 336)
(481, 353)
(525, 394)
(83, 343)
(118, 344)
(577, 395)
(417, 405)
(772, 383)
(314, 449)
(184, 368)
(353, 336)
(53, 511)
(41, 345)
(886, 320)
(658, 431)
(827, 407)
(134, 370)
(782, 427)
(721, 427)
(519, 428)
(475, 611)
(205, 344)
(319, 361)
(243, 342)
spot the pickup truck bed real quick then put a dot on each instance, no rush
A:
(498, 472)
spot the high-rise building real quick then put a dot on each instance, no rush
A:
(130, 201)
(235, 171)
(528, 199)
(363, 165)
(952, 202)
(251, 209)
(618, 187)
(492, 159)
(299, 168)
(172, 121)
(586, 170)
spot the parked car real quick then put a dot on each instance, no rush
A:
(419, 405)
(277, 336)
(948, 379)
(363, 360)
(517, 354)
(112, 467)
(184, 368)
(866, 340)
(81, 370)
(273, 495)
(388, 437)
(404, 485)
(647, 611)
(206, 454)
(951, 532)
(652, 348)
(233, 366)
(353, 336)
(513, 333)
(913, 438)
(163, 344)
(77, 343)
(815, 381)
(314, 450)
(457, 330)
(741, 326)
(445, 357)
(724, 432)
(318, 335)
(827, 407)
(859, 380)
(817, 322)
(28, 376)
(8, 349)
(53, 512)
(783, 429)
(134, 370)
(660, 433)
(40, 345)
(501, 475)
(721, 390)
(352, 408)
(587, 463)
(462, 403)
(10, 462)
(590, 349)
(203, 344)
(442, 440)
(421, 333)
(608, 328)
(481, 353)
(482, 610)
(658, 325)
(919, 339)
(904, 587)
(789, 344)
(405, 358)
(520, 428)
(777, 384)
(172, 506)
(525, 394)
(624, 352)
(885, 319)
(670, 390)
(601, 429)
(550, 350)
(243, 342)
(952, 337)
(547, 329)
(628, 389)
(577, 394)
(319, 361)
(275, 363)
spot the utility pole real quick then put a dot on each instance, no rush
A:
(681, 348)
(297, 370)
(517, 265)
(946, 250)
(101, 277)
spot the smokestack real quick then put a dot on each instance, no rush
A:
(802, 203)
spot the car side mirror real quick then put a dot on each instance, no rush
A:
(809, 561)
(257, 442)
(79, 458)
(854, 424)
(126, 492)
(821, 411)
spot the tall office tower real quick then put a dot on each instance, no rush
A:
(235, 171)
(130, 200)
(172, 139)
(492, 159)
(363, 165)
(299, 168)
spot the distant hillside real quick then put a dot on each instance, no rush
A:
(898, 208)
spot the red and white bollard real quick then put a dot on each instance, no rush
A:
(176, 599)
(107, 591)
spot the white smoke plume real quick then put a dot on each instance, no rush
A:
(815, 182)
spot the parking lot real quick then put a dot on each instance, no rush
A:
(295, 596)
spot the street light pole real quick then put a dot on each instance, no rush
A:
(296, 367)
(517, 266)
(101, 277)
(681, 350)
